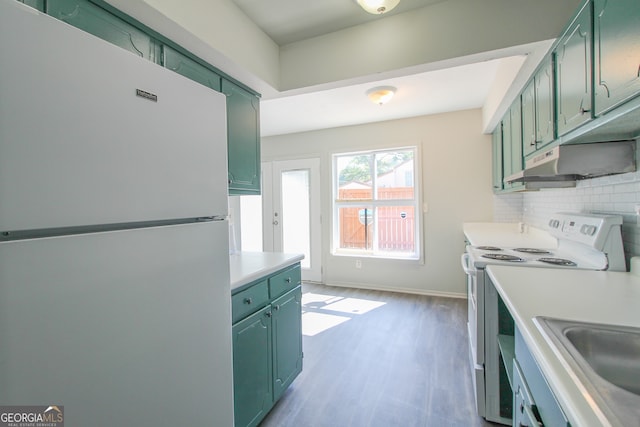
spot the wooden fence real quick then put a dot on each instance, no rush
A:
(396, 224)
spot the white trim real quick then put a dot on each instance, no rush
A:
(424, 292)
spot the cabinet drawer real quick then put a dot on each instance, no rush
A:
(246, 302)
(284, 281)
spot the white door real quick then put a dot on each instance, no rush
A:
(292, 218)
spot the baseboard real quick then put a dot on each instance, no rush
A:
(425, 292)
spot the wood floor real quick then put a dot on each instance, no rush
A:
(395, 360)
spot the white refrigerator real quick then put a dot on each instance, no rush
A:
(114, 272)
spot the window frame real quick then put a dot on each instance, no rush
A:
(416, 202)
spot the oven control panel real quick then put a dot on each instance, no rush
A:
(587, 229)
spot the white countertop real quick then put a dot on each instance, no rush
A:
(591, 296)
(245, 267)
(508, 235)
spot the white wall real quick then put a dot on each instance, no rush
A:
(456, 185)
(440, 32)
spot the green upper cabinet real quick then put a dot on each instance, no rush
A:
(512, 143)
(243, 127)
(545, 104)
(528, 98)
(573, 73)
(181, 64)
(616, 53)
(497, 159)
(538, 109)
(93, 19)
(36, 4)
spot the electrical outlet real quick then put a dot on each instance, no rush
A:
(358, 263)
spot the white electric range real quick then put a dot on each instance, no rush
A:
(584, 241)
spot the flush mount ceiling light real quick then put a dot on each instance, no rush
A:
(378, 7)
(381, 94)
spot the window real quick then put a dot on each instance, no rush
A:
(376, 204)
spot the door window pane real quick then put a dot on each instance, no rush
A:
(251, 223)
(295, 214)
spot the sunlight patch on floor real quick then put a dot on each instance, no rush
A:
(318, 311)
(314, 323)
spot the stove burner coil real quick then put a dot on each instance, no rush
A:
(558, 261)
(503, 257)
(532, 251)
(489, 248)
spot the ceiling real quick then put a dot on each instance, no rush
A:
(418, 93)
(287, 21)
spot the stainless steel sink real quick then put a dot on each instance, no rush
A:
(606, 361)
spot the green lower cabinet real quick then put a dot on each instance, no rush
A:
(252, 368)
(243, 127)
(543, 406)
(267, 346)
(95, 20)
(616, 52)
(287, 340)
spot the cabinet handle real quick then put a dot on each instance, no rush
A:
(276, 307)
(583, 111)
(268, 314)
(288, 280)
(248, 301)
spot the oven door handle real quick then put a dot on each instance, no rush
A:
(464, 260)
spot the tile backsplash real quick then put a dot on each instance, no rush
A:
(616, 194)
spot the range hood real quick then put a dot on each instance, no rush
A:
(561, 166)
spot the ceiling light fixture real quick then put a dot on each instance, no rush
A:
(378, 7)
(381, 94)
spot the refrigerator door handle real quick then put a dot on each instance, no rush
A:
(212, 218)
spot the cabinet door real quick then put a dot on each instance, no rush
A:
(252, 368)
(36, 4)
(497, 158)
(573, 73)
(545, 128)
(287, 340)
(529, 119)
(617, 52)
(515, 113)
(93, 19)
(243, 139)
(181, 64)
(506, 148)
